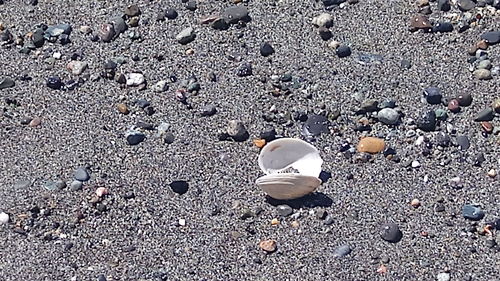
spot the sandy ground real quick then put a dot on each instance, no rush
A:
(139, 238)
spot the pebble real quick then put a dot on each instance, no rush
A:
(171, 14)
(179, 187)
(266, 49)
(484, 115)
(342, 251)
(160, 86)
(76, 185)
(237, 131)
(388, 116)
(208, 110)
(315, 125)
(496, 105)
(4, 218)
(284, 210)
(191, 5)
(443, 276)
(492, 173)
(484, 64)
(371, 145)
(135, 79)
(343, 51)
(101, 277)
(420, 22)
(35, 122)
(268, 246)
(466, 5)
(132, 10)
(54, 82)
(442, 27)
(415, 203)
(234, 14)
(492, 37)
(472, 212)
(81, 174)
(482, 74)
(464, 99)
(244, 70)
(329, 220)
(135, 137)
(76, 67)
(119, 25)
(6, 82)
(415, 164)
(185, 36)
(487, 126)
(463, 142)
(323, 20)
(390, 232)
(433, 95)
(427, 121)
(443, 5)
(122, 108)
(107, 32)
(169, 138)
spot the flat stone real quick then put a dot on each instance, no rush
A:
(390, 232)
(315, 125)
(343, 51)
(484, 115)
(472, 212)
(132, 10)
(171, 14)
(466, 5)
(160, 86)
(371, 145)
(482, 74)
(135, 137)
(23, 184)
(234, 14)
(6, 82)
(427, 121)
(420, 22)
(57, 30)
(443, 276)
(236, 130)
(268, 246)
(76, 185)
(244, 70)
(77, 67)
(135, 79)
(442, 27)
(266, 49)
(81, 174)
(185, 36)
(179, 187)
(208, 110)
(107, 32)
(484, 64)
(388, 116)
(342, 251)
(463, 142)
(119, 25)
(492, 37)
(284, 210)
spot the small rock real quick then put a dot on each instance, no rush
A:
(323, 20)
(6, 83)
(171, 14)
(208, 110)
(484, 115)
(119, 25)
(35, 122)
(76, 185)
(472, 212)
(420, 22)
(284, 210)
(315, 125)
(234, 14)
(427, 121)
(492, 37)
(107, 32)
(135, 137)
(496, 105)
(444, 5)
(169, 138)
(415, 164)
(325, 33)
(342, 251)
(442, 27)
(433, 95)
(343, 51)
(454, 106)
(482, 74)
(464, 99)
(466, 5)
(4, 218)
(185, 36)
(390, 232)
(135, 79)
(160, 86)
(81, 174)
(268, 245)
(484, 64)
(54, 82)
(371, 145)
(179, 187)
(244, 70)
(443, 276)
(487, 126)
(132, 10)
(415, 203)
(76, 67)
(191, 5)
(463, 142)
(492, 173)
(122, 108)
(388, 116)
(237, 130)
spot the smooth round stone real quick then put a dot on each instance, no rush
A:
(463, 142)
(134, 138)
(484, 64)
(496, 105)
(390, 232)
(185, 36)
(492, 37)
(76, 185)
(119, 24)
(443, 276)
(484, 115)
(266, 49)
(234, 14)
(191, 5)
(160, 86)
(444, 5)
(81, 174)
(482, 74)
(371, 145)
(208, 110)
(236, 130)
(472, 212)
(4, 218)
(171, 14)
(343, 51)
(6, 83)
(342, 251)
(135, 79)
(441, 114)
(179, 187)
(169, 138)
(284, 210)
(323, 20)
(420, 22)
(466, 5)
(454, 106)
(433, 95)
(464, 99)
(76, 67)
(387, 103)
(442, 27)
(388, 116)
(54, 82)
(427, 121)
(325, 33)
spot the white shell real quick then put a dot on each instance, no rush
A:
(282, 154)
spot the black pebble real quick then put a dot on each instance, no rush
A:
(171, 14)
(390, 232)
(169, 138)
(433, 95)
(444, 5)
(101, 277)
(54, 82)
(244, 70)
(135, 139)
(427, 121)
(208, 110)
(343, 51)
(191, 5)
(442, 27)
(266, 49)
(325, 33)
(179, 187)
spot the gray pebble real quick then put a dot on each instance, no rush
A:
(284, 210)
(472, 212)
(237, 130)
(463, 142)
(208, 110)
(492, 37)
(484, 115)
(234, 14)
(81, 174)
(76, 185)
(342, 251)
(390, 232)
(6, 83)
(388, 116)
(185, 36)
(329, 220)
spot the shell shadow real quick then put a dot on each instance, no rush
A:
(317, 199)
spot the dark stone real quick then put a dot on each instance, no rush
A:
(101, 277)
(149, 110)
(179, 187)
(332, 2)
(132, 10)
(484, 115)
(169, 138)
(266, 49)
(405, 64)
(208, 110)
(463, 142)
(390, 232)
(81, 174)
(443, 139)
(427, 121)
(472, 212)
(433, 95)
(191, 5)
(171, 14)
(6, 83)
(342, 251)
(54, 82)
(442, 27)
(234, 14)
(479, 159)
(492, 37)
(244, 70)
(444, 5)
(135, 138)
(466, 5)
(269, 134)
(464, 99)
(325, 33)
(142, 103)
(343, 51)
(315, 125)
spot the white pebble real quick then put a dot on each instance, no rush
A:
(182, 222)
(443, 276)
(420, 140)
(135, 79)
(415, 164)
(56, 55)
(324, 19)
(4, 218)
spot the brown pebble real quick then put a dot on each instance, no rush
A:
(259, 142)
(487, 126)
(415, 203)
(454, 106)
(268, 245)
(275, 221)
(483, 45)
(421, 3)
(420, 22)
(371, 145)
(35, 122)
(123, 108)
